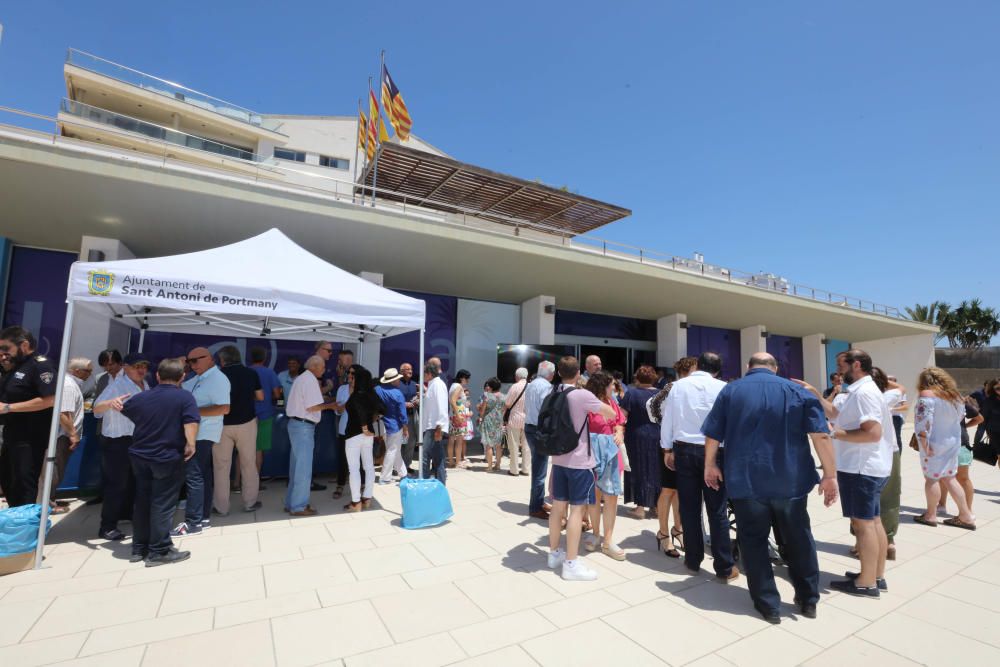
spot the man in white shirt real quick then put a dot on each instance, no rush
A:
(534, 395)
(304, 410)
(435, 422)
(864, 440)
(116, 467)
(687, 405)
(70, 425)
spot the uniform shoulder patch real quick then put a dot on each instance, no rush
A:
(46, 377)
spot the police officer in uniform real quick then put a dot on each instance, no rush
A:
(26, 400)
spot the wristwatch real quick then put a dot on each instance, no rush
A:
(6, 409)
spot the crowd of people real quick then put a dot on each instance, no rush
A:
(679, 443)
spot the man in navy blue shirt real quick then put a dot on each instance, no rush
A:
(765, 423)
(166, 425)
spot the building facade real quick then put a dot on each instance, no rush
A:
(138, 167)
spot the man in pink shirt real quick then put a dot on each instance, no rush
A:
(573, 477)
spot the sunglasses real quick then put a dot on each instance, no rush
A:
(191, 360)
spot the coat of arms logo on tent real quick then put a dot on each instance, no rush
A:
(99, 283)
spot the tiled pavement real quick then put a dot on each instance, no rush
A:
(356, 589)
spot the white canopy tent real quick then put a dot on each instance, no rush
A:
(220, 292)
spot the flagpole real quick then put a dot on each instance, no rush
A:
(357, 145)
(378, 122)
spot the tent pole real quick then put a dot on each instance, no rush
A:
(142, 339)
(50, 453)
(420, 407)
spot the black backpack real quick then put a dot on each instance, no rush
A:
(555, 433)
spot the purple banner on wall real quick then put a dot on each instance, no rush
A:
(574, 323)
(441, 326)
(36, 295)
(725, 342)
(788, 352)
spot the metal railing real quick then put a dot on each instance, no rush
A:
(175, 91)
(152, 130)
(274, 173)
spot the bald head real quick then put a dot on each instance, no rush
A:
(763, 360)
(592, 364)
(200, 360)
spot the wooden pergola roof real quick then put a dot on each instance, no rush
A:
(441, 183)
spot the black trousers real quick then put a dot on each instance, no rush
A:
(692, 492)
(20, 466)
(118, 480)
(157, 486)
(790, 518)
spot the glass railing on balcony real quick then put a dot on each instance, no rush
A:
(166, 88)
(153, 131)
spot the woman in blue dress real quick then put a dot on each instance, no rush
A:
(642, 443)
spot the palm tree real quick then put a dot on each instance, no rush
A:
(970, 325)
(937, 312)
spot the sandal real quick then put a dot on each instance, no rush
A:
(353, 507)
(672, 552)
(955, 522)
(922, 520)
(637, 513)
(338, 493)
(366, 503)
(677, 538)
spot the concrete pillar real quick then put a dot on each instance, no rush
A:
(671, 339)
(537, 326)
(371, 349)
(92, 329)
(752, 341)
(814, 360)
(902, 356)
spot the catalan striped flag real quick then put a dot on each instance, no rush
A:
(395, 107)
(362, 128)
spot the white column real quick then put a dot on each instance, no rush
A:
(371, 348)
(903, 356)
(92, 328)
(814, 360)
(537, 326)
(752, 341)
(671, 339)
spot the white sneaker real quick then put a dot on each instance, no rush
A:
(556, 558)
(577, 571)
(591, 542)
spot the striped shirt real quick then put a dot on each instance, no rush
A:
(114, 424)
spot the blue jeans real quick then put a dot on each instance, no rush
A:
(200, 479)
(790, 519)
(157, 485)
(539, 471)
(691, 491)
(434, 456)
(301, 435)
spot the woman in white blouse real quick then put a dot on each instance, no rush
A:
(938, 415)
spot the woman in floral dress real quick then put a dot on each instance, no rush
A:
(491, 409)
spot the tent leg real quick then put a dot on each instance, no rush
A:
(142, 339)
(50, 452)
(420, 407)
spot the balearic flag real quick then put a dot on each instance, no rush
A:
(362, 128)
(395, 107)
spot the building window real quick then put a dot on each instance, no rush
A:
(334, 162)
(285, 154)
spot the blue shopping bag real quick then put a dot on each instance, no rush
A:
(19, 529)
(425, 503)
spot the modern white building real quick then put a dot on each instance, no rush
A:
(138, 166)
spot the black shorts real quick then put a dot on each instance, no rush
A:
(668, 477)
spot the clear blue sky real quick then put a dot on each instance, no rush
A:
(850, 146)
